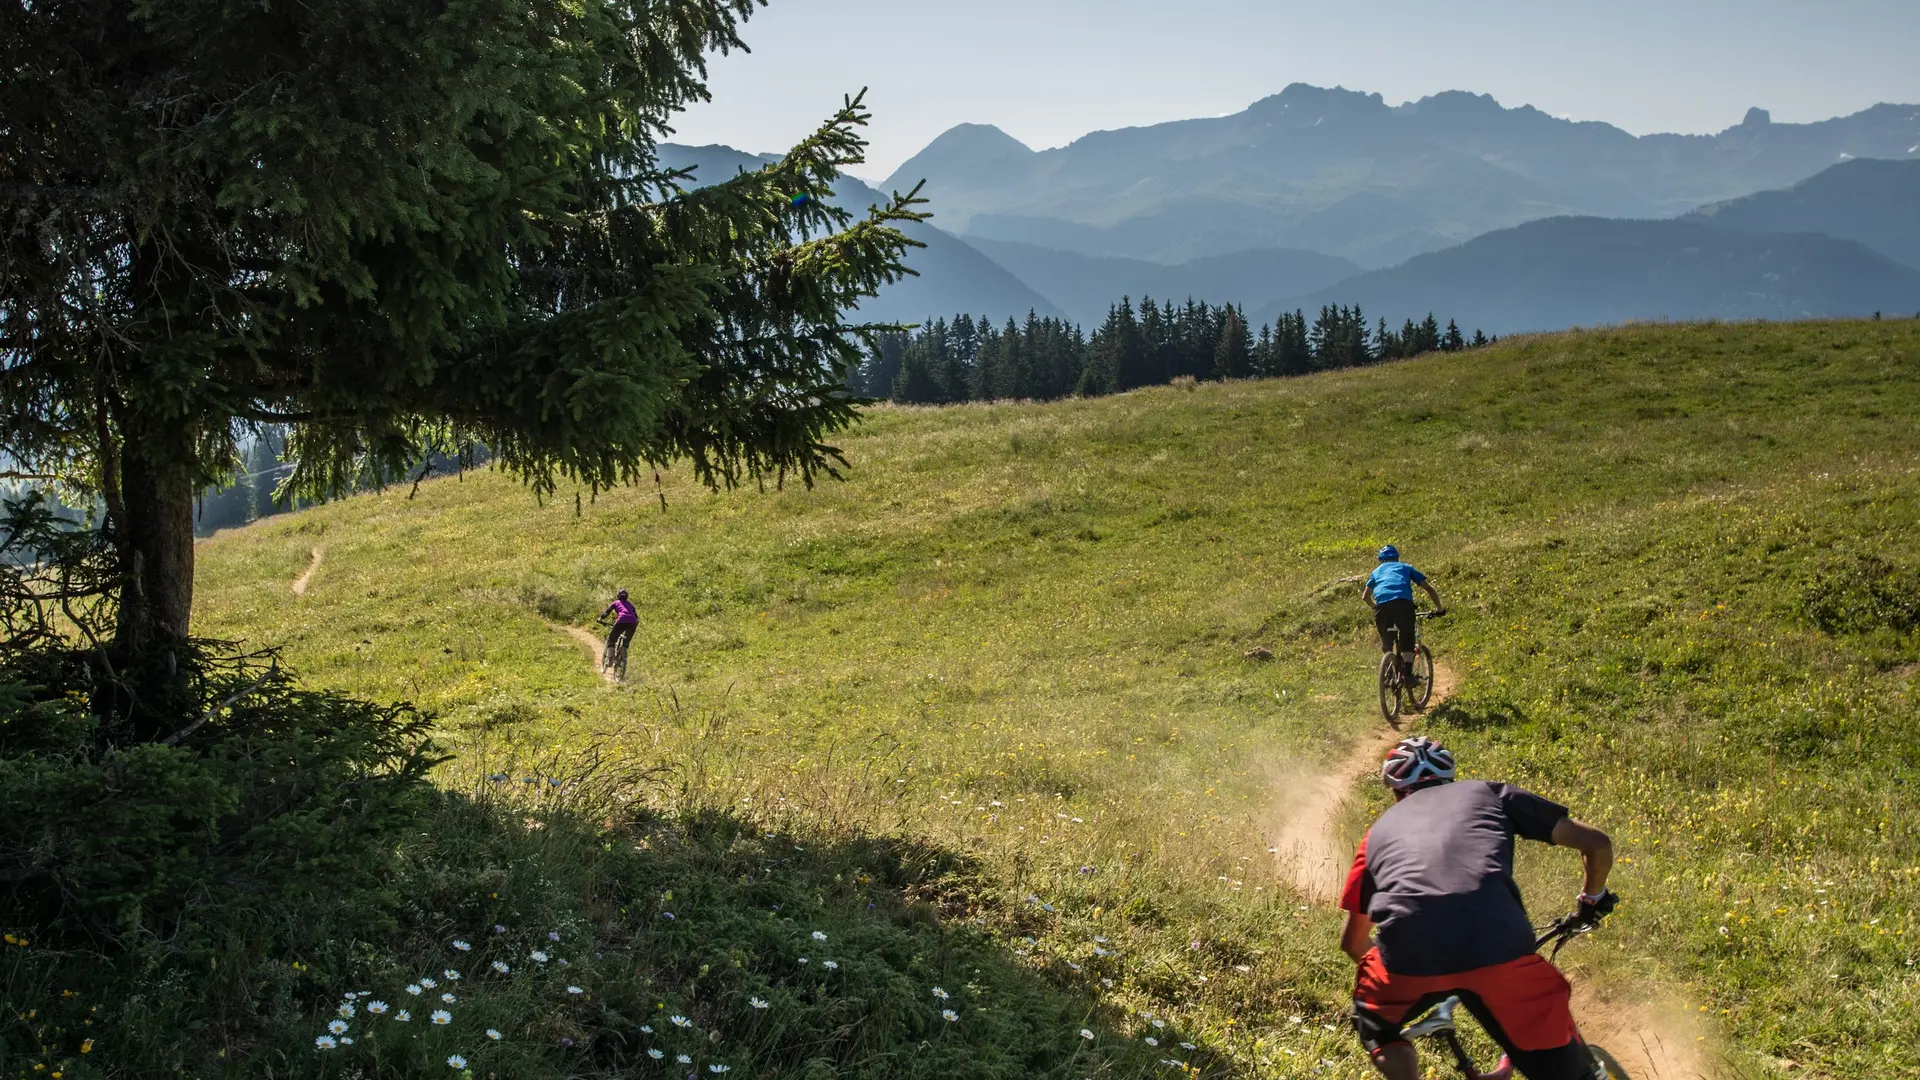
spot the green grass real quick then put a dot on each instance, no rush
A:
(1015, 637)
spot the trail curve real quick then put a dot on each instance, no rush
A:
(305, 579)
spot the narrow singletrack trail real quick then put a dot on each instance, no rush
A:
(595, 647)
(1652, 1042)
(1309, 805)
(305, 579)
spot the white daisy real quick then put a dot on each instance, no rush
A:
(718, 1068)
(346, 1010)
(455, 1061)
(441, 1017)
(463, 946)
(1159, 1023)
(680, 1021)
(448, 998)
(830, 965)
(451, 975)
(648, 1028)
(683, 1059)
(1186, 1046)
(939, 993)
(757, 1003)
(538, 956)
(575, 990)
(346, 1040)
(376, 1008)
(338, 1027)
(654, 1054)
(403, 1016)
(501, 967)
(1151, 1041)
(324, 1042)
(414, 989)
(803, 960)
(1086, 1034)
(494, 1034)
(428, 983)
(949, 1015)
(819, 936)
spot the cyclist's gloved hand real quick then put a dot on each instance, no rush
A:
(1595, 908)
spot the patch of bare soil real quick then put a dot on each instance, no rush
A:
(1652, 1040)
(596, 648)
(306, 576)
(1308, 805)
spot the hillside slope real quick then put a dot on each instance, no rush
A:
(1563, 272)
(1876, 203)
(1015, 641)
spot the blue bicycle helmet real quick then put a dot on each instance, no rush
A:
(1389, 554)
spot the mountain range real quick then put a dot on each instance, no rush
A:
(951, 274)
(1343, 173)
(1413, 192)
(1572, 271)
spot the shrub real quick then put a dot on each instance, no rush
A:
(1864, 595)
(270, 831)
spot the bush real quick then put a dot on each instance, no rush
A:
(1864, 595)
(268, 832)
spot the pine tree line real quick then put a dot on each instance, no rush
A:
(969, 359)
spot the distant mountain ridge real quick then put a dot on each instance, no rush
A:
(952, 275)
(1087, 285)
(1430, 173)
(1874, 202)
(1572, 271)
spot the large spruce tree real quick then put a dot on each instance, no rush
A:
(396, 226)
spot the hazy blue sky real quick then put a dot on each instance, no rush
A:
(1049, 71)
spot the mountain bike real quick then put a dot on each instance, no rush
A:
(1438, 1025)
(1397, 693)
(613, 658)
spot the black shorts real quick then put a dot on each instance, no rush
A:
(1391, 615)
(621, 632)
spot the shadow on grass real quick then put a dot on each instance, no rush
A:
(1477, 714)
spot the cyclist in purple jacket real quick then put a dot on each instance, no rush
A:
(625, 621)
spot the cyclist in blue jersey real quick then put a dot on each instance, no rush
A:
(1389, 592)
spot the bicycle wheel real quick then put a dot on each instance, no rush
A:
(1605, 1065)
(1422, 690)
(620, 663)
(1389, 687)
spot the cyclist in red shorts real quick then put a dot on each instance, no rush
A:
(1433, 912)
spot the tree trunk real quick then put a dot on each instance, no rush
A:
(155, 539)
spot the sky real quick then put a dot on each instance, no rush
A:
(1050, 71)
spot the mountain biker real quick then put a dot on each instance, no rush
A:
(1389, 593)
(626, 621)
(1435, 875)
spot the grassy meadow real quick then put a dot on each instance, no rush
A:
(995, 687)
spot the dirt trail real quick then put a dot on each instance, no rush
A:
(1651, 1039)
(594, 646)
(306, 576)
(1308, 806)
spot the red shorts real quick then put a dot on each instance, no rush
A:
(1523, 1003)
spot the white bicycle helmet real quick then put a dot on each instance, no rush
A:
(1415, 761)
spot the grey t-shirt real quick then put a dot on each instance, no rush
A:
(1435, 874)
